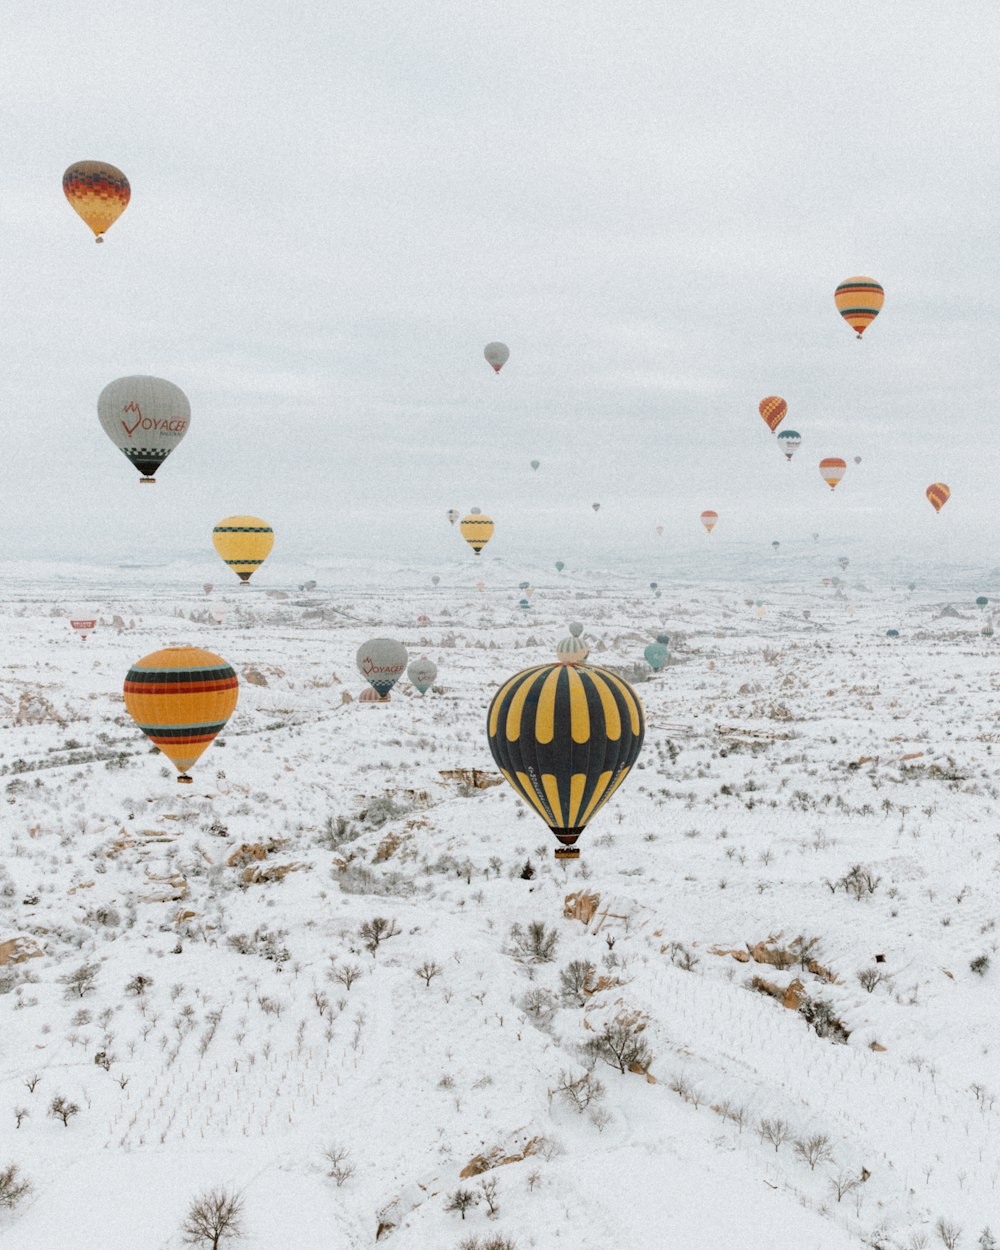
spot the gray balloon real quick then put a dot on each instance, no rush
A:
(576, 629)
(497, 354)
(145, 418)
(382, 661)
(422, 673)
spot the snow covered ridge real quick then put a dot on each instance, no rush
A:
(341, 979)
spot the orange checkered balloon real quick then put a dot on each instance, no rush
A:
(97, 192)
(773, 409)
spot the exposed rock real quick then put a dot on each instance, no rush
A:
(347, 697)
(389, 845)
(34, 709)
(581, 906)
(495, 1158)
(257, 874)
(875, 1046)
(250, 852)
(254, 677)
(789, 996)
(476, 778)
(18, 949)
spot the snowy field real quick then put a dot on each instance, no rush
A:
(789, 908)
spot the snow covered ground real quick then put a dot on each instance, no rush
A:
(792, 901)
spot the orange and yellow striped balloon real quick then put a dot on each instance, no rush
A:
(244, 543)
(938, 494)
(181, 698)
(774, 410)
(709, 520)
(477, 530)
(97, 192)
(565, 738)
(832, 469)
(859, 301)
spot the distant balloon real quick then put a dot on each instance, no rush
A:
(987, 631)
(663, 638)
(381, 661)
(572, 650)
(480, 586)
(789, 441)
(565, 738)
(659, 529)
(244, 543)
(709, 520)
(656, 656)
(653, 585)
(843, 561)
(208, 587)
(892, 633)
(857, 459)
(309, 586)
(145, 418)
(83, 627)
(422, 673)
(596, 507)
(576, 629)
(774, 410)
(218, 611)
(523, 585)
(982, 601)
(477, 530)
(832, 469)
(535, 463)
(775, 544)
(524, 605)
(559, 566)
(497, 354)
(435, 580)
(370, 696)
(453, 515)
(859, 301)
(657, 593)
(806, 613)
(815, 538)
(97, 192)
(938, 494)
(181, 699)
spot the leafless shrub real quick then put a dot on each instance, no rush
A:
(20, 1113)
(539, 1005)
(620, 1044)
(462, 1200)
(339, 1165)
(843, 1183)
(13, 1186)
(376, 931)
(948, 1233)
(576, 980)
(578, 1092)
(346, 974)
(777, 1132)
(31, 1082)
(814, 1149)
(488, 1188)
(428, 970)
(81, 980)
(870, 978)
(536, 944)
(212, 1217)
(681, 957)
(63, 1109)
(139, 985)
(818, 1013)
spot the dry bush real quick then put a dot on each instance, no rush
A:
(13, 1186)
(620, 1043)
(213, 1217)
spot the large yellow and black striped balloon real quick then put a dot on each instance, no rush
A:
(565, 737)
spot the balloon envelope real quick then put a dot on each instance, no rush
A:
(535, 464)
(565, 738)
(453, 515)
(773, 409)
(145, 418)
(381, 661)
(559, 566)
(572, 650)
(244, 543)
(422, 673)
(859, 301)
(709, 520)
(832, 469)
(83, 627)
(181, 699)
(497, 354)
(789, 441)
(938, 494)
(656, 656)
(97, 192)
(477, 530)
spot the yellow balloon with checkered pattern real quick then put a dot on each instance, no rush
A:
(565, 736)
(244, 543)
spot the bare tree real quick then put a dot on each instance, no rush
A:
(81, 980)
(843, 1183)
(428, 970)
(13, 1186)
(376, 931)
(63, 1109)
(535, 945)
(139, 985)
(579, 1092)
(212, 1216)
(870, 978)
(461, 1200)
(814, 1149)
(576, 981)
(346, 974)
(20, 1113)
(620, 1044)
(488, 1188)
(948, 1232)
(31, 1082)
(777, 1132)
(339, 1163)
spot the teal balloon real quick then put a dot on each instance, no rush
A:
(892, 633)
(559, 566)
(664, 638)
(653, 585)
(535, 463)
(524, 605)
(982, 601)
(656, 656)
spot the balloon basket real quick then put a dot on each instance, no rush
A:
(567, 852)
(147, 481)
(184, 779)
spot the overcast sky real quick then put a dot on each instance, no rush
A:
(336, 205)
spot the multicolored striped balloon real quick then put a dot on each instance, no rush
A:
(709, 519)
(97, 192)
(244, 543)
(774, 410)
(832, 469)
(859, 301)
(572, 650)
(938, 494)
(565, 738)
(181, 699)
(789, 441)
(477, 529)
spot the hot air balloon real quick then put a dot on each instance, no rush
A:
(653, 585)
(892, 633)
(832, 469)
(477, 530)
(843, 561)
(497, 354)
(523, 585)
(806, 613)
(565, 738)
(244, 543)
(859, 301)
(857, 459)
(938, 494)
(181, 698)
(83, 628)
(422, 673)
(789, 441)
(435, 580)
(987, 631)
(524, 605)
(369, 696)
(480, 586)
(559, 566)
(596, 507)
(659, 529)
(208, 587)
(145, 418)
(815, 538)
(97, 192)
(982, 601)
(775, 545)
(572, 650)
(453, 514)
(773, 409)
(535, 463)
(656, 656)
(381, 661)
(575, 629)
(709, 520)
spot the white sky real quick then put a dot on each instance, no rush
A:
(336, 205)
